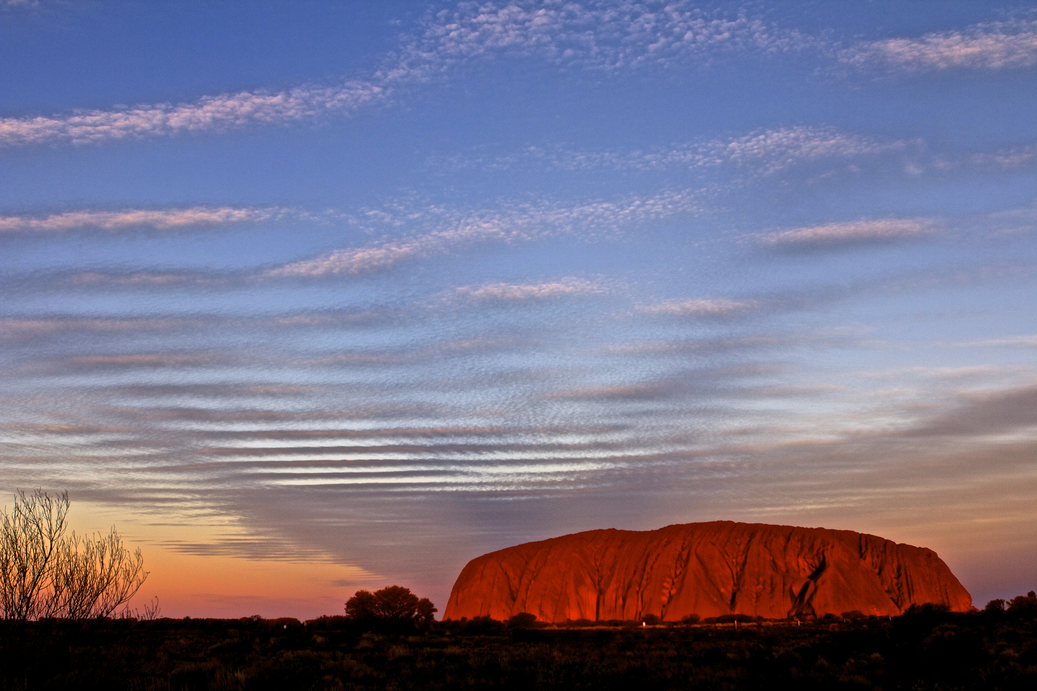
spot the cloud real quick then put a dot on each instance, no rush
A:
(265, 548)
(224, 390)
(422, 355)
(993, 46)
(709, 346)
(766, 151)
(983, 414)
(230, 415)
(596, 36)
(986, 373)
(210, 113)
(698, 307)
(372, 258)
(138, 361)
(33, 329)
(326, 318)
(128, 219)
(144, 279)
(147, 279)
(455, 229)
(848, 233)
(520, 292)
(773, 150)
(701, 385)
(603, 36)
(1007, 159)
(621, 392)
(1013, 342)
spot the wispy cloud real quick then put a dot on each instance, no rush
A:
(773, 150)
(420, 355)
(605, 36)
(849, 233)
(698, 307)
(35, 328)
(143, 279)
(1012, 342)
(372, 258)
(591, 35)
(209, 113)
(129, 219)
(700, 383)
(764, 152)
(621, 392)
(516, 224)
(709, 346)
(143, 360)
(131, 362)
(983, 414)
(1008, 158)
(520, 292)
(991, 46)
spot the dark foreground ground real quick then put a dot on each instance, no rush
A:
(924, 650)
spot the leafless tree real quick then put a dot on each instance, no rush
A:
(94, 576)
(44, 573)
(30, 538)
(151, 611)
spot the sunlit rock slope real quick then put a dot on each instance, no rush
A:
(709, 569)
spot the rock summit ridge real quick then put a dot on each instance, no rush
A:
(708, 569)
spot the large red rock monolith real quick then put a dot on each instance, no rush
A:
(708, 569)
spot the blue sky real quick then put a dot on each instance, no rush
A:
(324, 296)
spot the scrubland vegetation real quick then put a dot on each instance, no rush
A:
(58, 592)
(924, 649)
(47, 572)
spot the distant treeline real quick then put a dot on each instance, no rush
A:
(926, 648)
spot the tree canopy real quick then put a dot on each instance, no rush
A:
(391, 606)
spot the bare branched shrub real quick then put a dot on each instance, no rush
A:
(30, 537)
(44, 573)
(151, 611)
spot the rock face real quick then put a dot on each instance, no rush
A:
(708, 569)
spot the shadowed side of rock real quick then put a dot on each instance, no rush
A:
(708, 569)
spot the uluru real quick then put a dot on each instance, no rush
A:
(705, 569)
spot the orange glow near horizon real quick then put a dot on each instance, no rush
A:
(221, 586)
(231, 587)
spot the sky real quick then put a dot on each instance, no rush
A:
(313, 297)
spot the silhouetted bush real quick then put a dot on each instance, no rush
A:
(393, 607)
(46, 573)
(950, 651)
(731, 618)
(1023, 604)
(326, 622)
(522, 620)
(927, 609)
(578, 623)
(480, 626)
(995, 606)
(691, 619)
